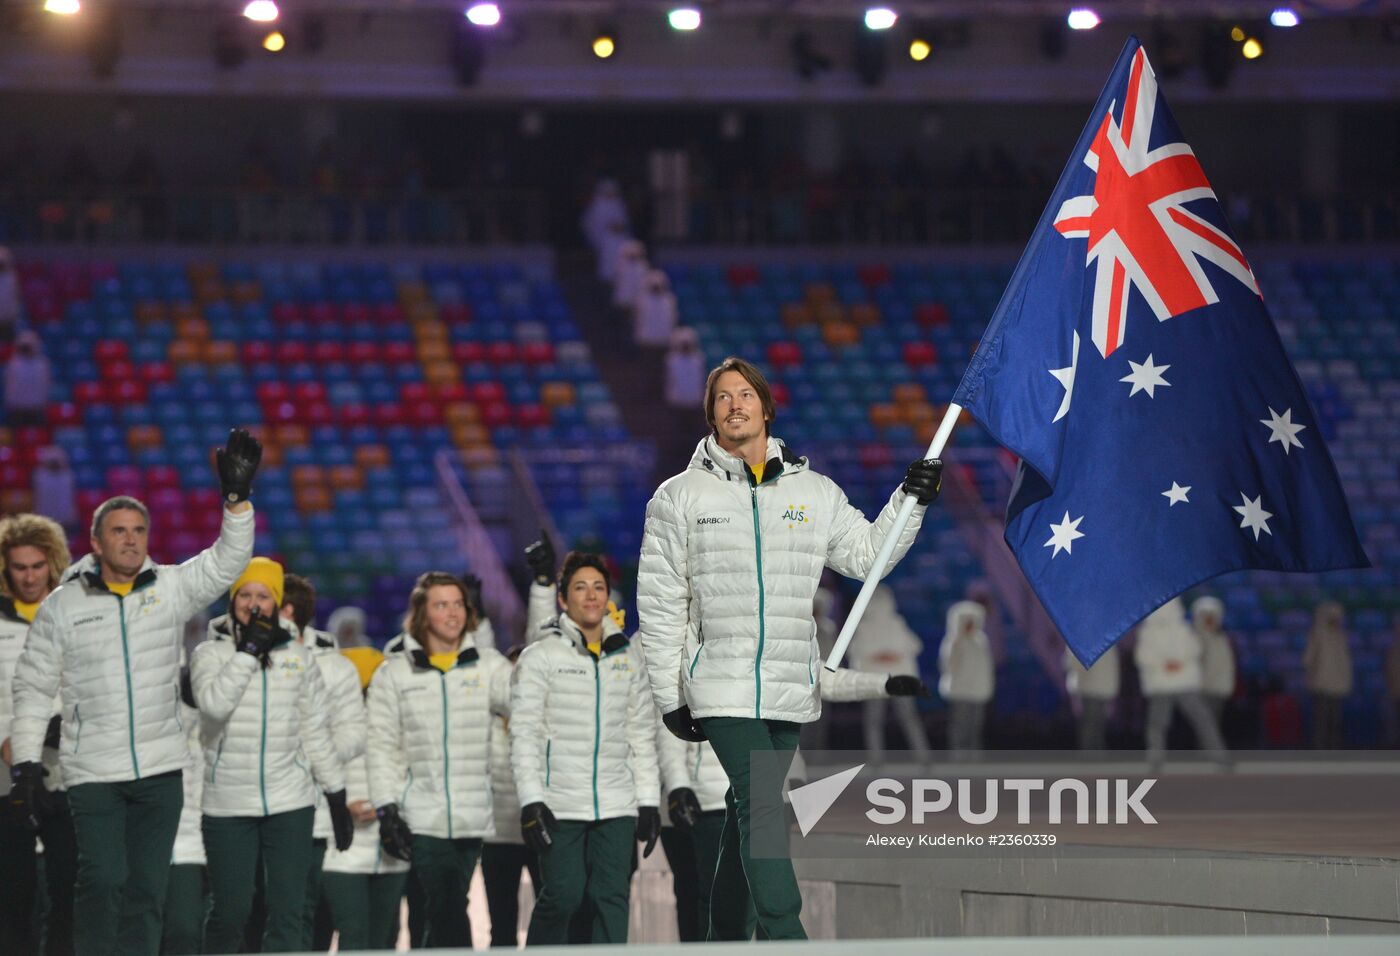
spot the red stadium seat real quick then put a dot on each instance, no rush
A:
(255, 353)
(117, 370)
(465, 353)
(425, 412)
(397, 352)
(270, 392)
(280, 412)
(284, 312)
(152, 372)
(388, 312)
(324, 353)
(126, 480)
(741, 275)
(495, 414)
(353, 413)
(387, 415)
(308, 392)
(110, 350)
(162, 476)
(129, 392)
(62, 414)
(362, 352)
(292, 353)
(931, 314)
(920, 353)
(355, 312)
(321, 312)
(537, 353)
(780, 394)
(411, 392)
(784, 354)
(874, 274)
(317, 413)
(33, 437)
(485, 393)
(89, 393)
(455, 313)
(88, 499)
(14, 475)
(531, 416)
(502, 353)
(450, 392)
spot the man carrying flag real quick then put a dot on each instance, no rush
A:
(1165, 437)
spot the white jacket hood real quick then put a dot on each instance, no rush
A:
(1168, 652)
(967, 671)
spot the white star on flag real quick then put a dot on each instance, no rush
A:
(1063, 534)
(1282, 428)
(1145, 377)
(1177, 494)
(1066, 378)
(1254, 515)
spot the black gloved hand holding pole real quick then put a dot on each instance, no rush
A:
(906, 685)
(924, 479)
(536, 826)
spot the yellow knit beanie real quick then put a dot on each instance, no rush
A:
(264, 571)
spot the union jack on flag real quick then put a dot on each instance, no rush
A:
(1186, 447)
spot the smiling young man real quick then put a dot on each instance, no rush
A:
(731, 558)
(108, 639)
(583, 748)
(33, 556)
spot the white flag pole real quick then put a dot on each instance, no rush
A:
(882, 559)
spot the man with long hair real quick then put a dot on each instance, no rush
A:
(732, 555)
(430, 725)
(33, 556)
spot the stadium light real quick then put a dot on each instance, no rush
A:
(261, 11)
(484, 14)
(1284, 17)
(684, 18)
(274, 42)
(1082, 18)
(919, 50)
(1237, 34)
(1252, 49)
(604, 46)
(65, 7)
(880, 18)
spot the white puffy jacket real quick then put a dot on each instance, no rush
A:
(482, 638)
(505, 802)
(884, 641)
(966, 671)
(430, 737)
(346, 716)
(189, 838)
(366, 855)
(261, 726)
(694, 765)
(1168, 653)
(1100, 682)
(116, 662)
(583, 731)
(727, 578)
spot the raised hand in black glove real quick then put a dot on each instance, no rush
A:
(540, 558)
(238, 463)
(472, 584)
(684, 806)
(394, 834)
(257, 637)
(681, 724)
(648, 828)
(923, 480)
(341, 822)
(906, 685)
(29, 800)
(536, 825)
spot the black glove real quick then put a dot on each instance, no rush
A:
(648, 828)
(684, 806)
(394, 834)
(256, 637)
(539, 558)
(53, 734)
(341, 821)
(681, 724)
(924, 479)
(238, 463)
(29, 800)
(906, 685)
(472, 585)
(536, 825)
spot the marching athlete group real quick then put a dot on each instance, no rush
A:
(214, 806)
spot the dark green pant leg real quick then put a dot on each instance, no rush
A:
(183, 930)
(444, 869)
(152, 820)
(385, 893)
(770, 883)
(705, 839)
(313, 895)
(99, 824)
(564, 873)
(417, 911)
(231, 844)
(501, 866)
(18, 877)
(609, 863)
(60, 873)
(286, 859)
(348, 894)
(685, 881)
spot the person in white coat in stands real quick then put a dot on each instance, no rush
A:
(1094, 689)
(364, 884)
(583, 748)
(263, 715)
(348, 725)
(655, 314)
(632, 269)
(1168, 656)
(431, 707)
(966, 675)
(884, 643)
(1327, 673)
(1217, 654)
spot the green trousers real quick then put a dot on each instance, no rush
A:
(705, 837)
(18, 880)
(501, 866)
(60, 874)
(125, 834)
(741, 880)
(234, 846)
(313, 897)
(186, 908)
(444, 871)
(591, 860)
(364, 908)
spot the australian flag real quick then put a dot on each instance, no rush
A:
(1164, 436)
